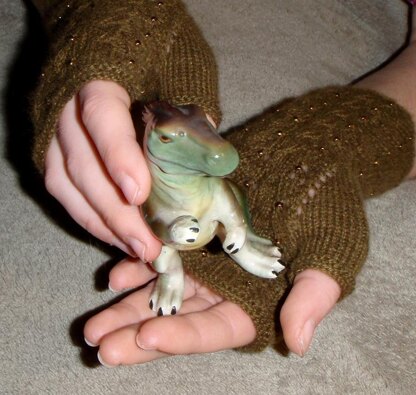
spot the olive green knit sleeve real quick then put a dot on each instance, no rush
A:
(151, 48)
(307, 166)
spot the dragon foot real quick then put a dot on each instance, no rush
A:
(166, 298)
(260, 259)
(167, 295)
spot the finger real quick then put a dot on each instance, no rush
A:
(130, 273)
(91, 179)
(312, 297)
(60, 186)
(220, 327)
(120, 348)
(134, 309)
(105, 114)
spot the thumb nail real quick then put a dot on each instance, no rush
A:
(305, 337)
(138, 247)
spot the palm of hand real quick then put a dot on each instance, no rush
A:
(130, 333)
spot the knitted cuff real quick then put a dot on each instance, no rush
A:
(306, 166)
(127, 42)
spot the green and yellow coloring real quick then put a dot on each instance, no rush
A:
(191, 201)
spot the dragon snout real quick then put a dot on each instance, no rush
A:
(223, 162)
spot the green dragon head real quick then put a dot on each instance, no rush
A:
(181, 140)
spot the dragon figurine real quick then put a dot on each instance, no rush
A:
(191, 201)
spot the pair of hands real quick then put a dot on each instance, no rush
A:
(95, 168)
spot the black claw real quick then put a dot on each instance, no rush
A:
(173, 311)
(195, 230)
(235, 251)
(160, 312)
(190, 240)
(275, 273)
(230, 247)
(151, 304)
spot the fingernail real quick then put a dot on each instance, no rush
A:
(305, 337)
(143, 345)
(116, 291)
(89, 343)
(130, 189)
(100, 359)
(138, 247)
(112, 289)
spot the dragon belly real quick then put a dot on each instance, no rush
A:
(181, 227)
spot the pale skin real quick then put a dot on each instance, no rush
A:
(96, 132)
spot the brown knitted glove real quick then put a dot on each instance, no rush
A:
(307, 166)
(152, 48)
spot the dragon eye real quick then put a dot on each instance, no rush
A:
(165, 139)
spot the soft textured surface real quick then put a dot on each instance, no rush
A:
(53, 274)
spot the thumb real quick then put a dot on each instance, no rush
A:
(312, 297)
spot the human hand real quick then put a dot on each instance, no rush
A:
(95, 168)
(129, 332)
(93, 164)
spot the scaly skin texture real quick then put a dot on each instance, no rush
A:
(191, 202)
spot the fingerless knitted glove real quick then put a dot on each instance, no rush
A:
(152, 48)
(307, 165)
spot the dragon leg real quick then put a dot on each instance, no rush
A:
(167, 294)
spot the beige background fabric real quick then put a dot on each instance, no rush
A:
(52, 275)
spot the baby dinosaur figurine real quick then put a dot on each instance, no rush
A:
(191, 202)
